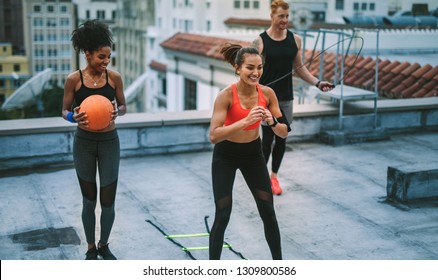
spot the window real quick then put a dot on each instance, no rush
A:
(37, 8)
(63, 9)
(372, 6)
(355, 6)
(364, 6)
(339, 5)
(190, 95)
(87, 14)
(100, 14)
(1, 67)
(51, 22)
(236, 4)
(64, 22)
(256, 5)
(50, 9)
(38, 22)
(17, 68)
(208, 25)
(246, 4)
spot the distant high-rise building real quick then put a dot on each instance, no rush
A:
(132, 20)
(48, 25)
(11, 24)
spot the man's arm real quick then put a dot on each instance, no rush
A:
(301, 70)
(258, 44)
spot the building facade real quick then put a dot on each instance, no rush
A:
(48, 25)
(133, 19)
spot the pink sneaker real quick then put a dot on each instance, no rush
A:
(276, 189)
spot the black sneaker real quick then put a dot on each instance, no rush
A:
(105, 252)
(91, 254)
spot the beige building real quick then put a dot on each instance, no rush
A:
(14, 71)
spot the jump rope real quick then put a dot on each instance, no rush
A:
(312, 58)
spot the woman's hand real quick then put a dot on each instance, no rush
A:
(268, 118)
(256, 114)
(80, 117)
(115, 112)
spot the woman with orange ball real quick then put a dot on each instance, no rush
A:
(95, 148)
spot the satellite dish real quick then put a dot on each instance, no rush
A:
(28, 91)
(302, 18)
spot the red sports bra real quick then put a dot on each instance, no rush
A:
(236, 112)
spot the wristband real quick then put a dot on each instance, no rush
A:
(275, 122)
(317, 84)
(70, 117)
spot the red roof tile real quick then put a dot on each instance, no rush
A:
(420, 93)
(430, 85)
(410, 69)
(431, 74)
(432, 93)
(390, 66)
(398, 69)
(421, 71)
(158, 66)
(409, 81)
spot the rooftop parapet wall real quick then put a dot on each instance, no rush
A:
(48, 141)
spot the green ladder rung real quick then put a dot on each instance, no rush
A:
(186, 235)
(203, 248)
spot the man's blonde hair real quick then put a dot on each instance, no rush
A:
(279, 4)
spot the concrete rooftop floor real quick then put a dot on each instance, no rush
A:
(333, 207)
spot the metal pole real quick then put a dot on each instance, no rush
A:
(376, 79)
(341, 105)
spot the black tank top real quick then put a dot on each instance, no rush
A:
(83, 92)
(277, 70)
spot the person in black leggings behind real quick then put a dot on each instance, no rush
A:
(238, 112)
(95, 150)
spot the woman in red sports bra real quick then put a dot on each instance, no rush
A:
(238, 112)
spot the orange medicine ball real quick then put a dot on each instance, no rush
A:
(98, 110)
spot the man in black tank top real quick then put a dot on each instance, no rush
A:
(282, 52)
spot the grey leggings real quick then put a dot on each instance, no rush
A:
(94, 152)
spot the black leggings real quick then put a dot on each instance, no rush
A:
(277, 151)
(94, 152)
(248, 157)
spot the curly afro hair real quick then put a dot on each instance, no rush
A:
(91, 36)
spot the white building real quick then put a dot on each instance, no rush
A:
(172, 16)
(337, 9)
